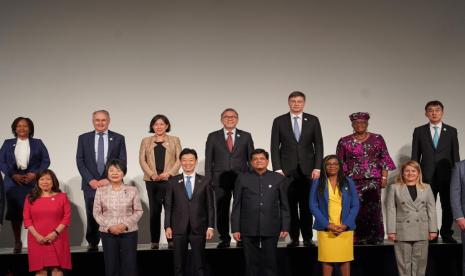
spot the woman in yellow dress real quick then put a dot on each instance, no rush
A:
(334, 202)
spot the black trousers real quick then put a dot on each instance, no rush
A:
(224, 190)
(298, 196)
(120, 253)
(156, 191)
(180, 243)
(442, 187)
(260, 255)
(92, 233)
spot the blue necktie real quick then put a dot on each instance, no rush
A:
(189, 187)
(435, 137)
(100, 154)
(296, 128)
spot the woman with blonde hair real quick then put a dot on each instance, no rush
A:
(411, 219)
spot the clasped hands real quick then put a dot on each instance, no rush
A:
(47, 239)
(336, 229)
(117, 229)
(98, 183)
(160, 177)
(22, 179)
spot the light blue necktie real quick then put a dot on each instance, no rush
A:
(296, 128)
(435, 137)
(189, 187)
(100, 154)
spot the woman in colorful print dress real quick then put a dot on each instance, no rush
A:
(366, 160)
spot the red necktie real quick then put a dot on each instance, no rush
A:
(229, 141)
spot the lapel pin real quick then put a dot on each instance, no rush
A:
(305, 119)
(111, 139)
(180, 181)
(14, 145)
(444, 129)
(269, 186)
(238, 135)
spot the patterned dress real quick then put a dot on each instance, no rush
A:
(364, 163)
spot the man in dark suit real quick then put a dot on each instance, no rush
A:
(227, 153)
(94, 149)
(297, 152)
(435, 146)
(189, 214)
(457, 201)
(260, 215)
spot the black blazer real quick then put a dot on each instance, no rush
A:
(86, 159)
(287, 153)
(180, 212)
(435, 163)
(2, 199)
(260, 206)
(218, 158)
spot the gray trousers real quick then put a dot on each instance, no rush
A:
(411, 257)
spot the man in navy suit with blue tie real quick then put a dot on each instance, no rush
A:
(94, 149)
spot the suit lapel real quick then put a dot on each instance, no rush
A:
(91, 146)
(237, 140)
(406, 194)
(196, 187)
(427, 133)
(110, 144)
(222, 140)
(288, 123)
(182, 186)
(442, 136)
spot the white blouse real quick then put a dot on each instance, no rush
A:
(22, 152)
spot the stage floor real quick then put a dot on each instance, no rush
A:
(443, 260)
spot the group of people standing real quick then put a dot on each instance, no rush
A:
(342, 191)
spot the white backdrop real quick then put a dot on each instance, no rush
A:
(61, 60)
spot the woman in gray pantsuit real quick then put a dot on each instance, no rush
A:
(411, 219)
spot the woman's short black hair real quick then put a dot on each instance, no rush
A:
(159, 117)
(118, 163)
(29, 123)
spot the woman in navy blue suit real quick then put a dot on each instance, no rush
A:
(21, 158)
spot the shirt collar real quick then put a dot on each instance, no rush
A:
(439, 125)
(296, 115)
(105, 132)
(226, 131)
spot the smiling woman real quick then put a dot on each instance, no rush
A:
(21, 158)
(47, 215)
(411, 219)
(117, 209)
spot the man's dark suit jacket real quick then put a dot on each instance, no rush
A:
(180, 212)
(39, 159)
(86, 156)
(218, 159)
(260, 205)
(435, 163)
(287, 153)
